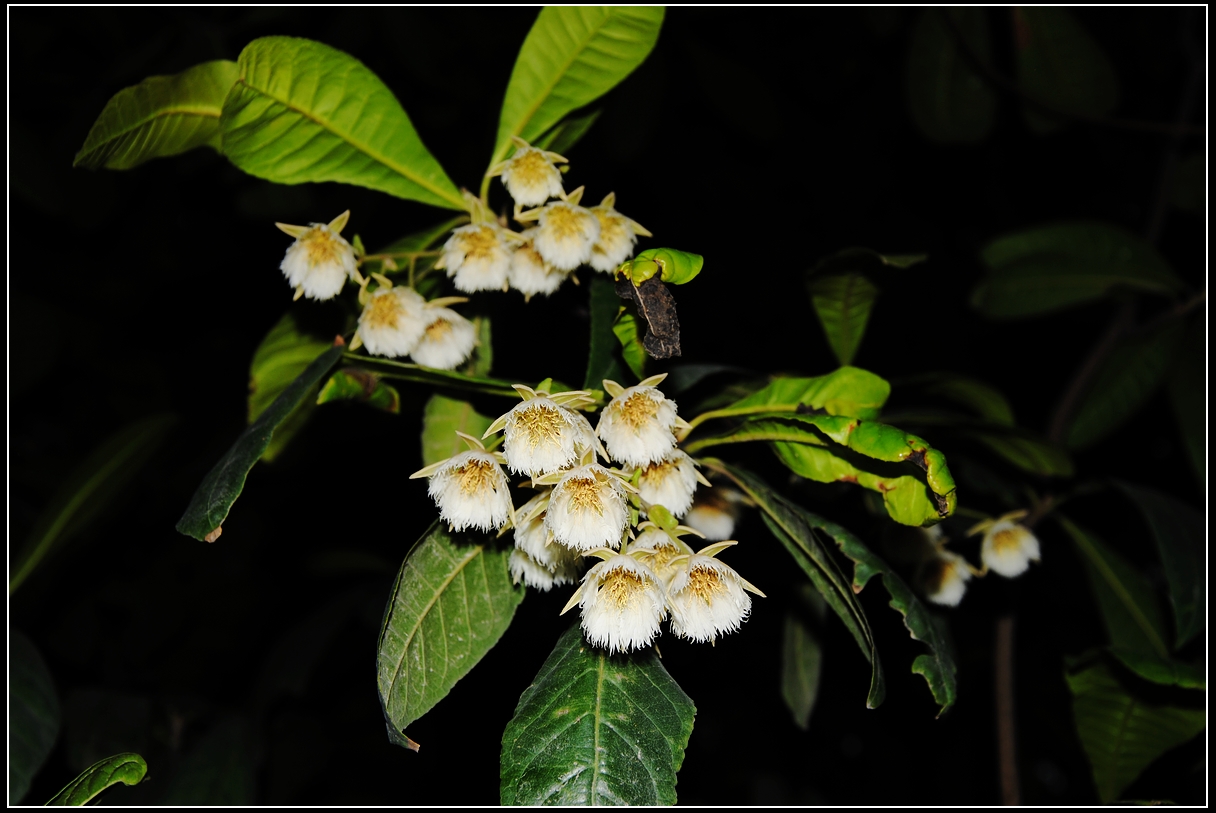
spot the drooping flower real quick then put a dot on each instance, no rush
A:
(471, 489)
(530, 274)
(1008, 548)
(618, 236)
(638, 424)
(707, 598)
(944, 578)
(392, 321)
(622, 604)
(447, 340)
(658, 545)
(530, 175)
(587, 509)
(477, 257)
(670, 482)
(541, 562)
(714, 513)
(540, 433)
(320, 261)
(567, 232)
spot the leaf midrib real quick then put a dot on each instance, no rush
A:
(202, 112)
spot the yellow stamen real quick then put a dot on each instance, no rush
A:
(584, 494)
(638, 410)
(705, 583)
(622, 586)
(438, 330)
(383, 312)
(540, 424)
(479, 244)
(476, 477)
(321, 246)
(564, 222)
(1006, 539)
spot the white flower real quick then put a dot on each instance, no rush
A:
(447, 340)
(530, 274)
(714, 513)
(1008, 548)
(707, 599)
(567, 233)
(638, 424)
(618, 236)
(540, 436)
(587, 509)
(392, 322)
(670, 482)
(530, 175)
(470, 489)
(622, 604)
(658, 545)
(944, 578)
(536, 575)
(319, 262)
(477, 257)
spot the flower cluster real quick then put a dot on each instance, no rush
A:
(583, 507)
(1007, 549)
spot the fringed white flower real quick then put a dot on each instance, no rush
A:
(478, 257)
(587, 509)
(530, 175)
(541, 433)
(706, 597)
(671, 482)
(714, 513)
(638, 424)
(567, 232)
(319, 262)
(448, 338)
(622, 603)
(1008, 548)
(470, 488)
(392, 321)
(944, 578)
(618, 236)
(530, 274)
(658, 547)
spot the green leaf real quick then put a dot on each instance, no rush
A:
(626, 332)
(595, 729)
(602, 362)
(1162, 670)
(418, 242)
(285, 352)
(983, 399)
(359, 385)
(304, 112)
(1187, 388)
(483, 352)
(1129, 376)
(676, 267)
(1024, 449)
(801, 668)
(566, 133)
(452, 601)
(1060, 65)
(441, 420)
(936, 666)
(1121, 734)
(950, 102)
(1182, 544)
(33, 715)
(91, 487)
(864, 260)
(129, 769)
(223, 484)
(843, 303)
(219, 770)
(848, 391)
(1052, 267)
(572, 56)
(403, 371)
(161, 116)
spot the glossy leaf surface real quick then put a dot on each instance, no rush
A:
(33, 715)
(441, 420)
(304, 112)
(127, 769)
(595, 729)
(1059, 64)
(950, 101)
(849, 391)
(452, 601)
(161, 116)
(626, 332)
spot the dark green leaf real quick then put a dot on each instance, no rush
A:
(441, 420)
(626, 332)
(571, 57)
(595, 729)
(452, 601)
(1188, 396)
(33, 715)
(1188, 187)
(801, 668)
(1162, 670)
(950, 102)
(1024, 449)
(602, 358)
(864, 260)
(403, 371)
(848, 391)
(418, 242)
(161, 116)
(843, 303)
(567, 133)
(100, 722)
(1060, 65)
(219, 770)
(223, 484)
(285, 352)
(983, 399)
(304, 112)
(1051, 267)
(359, 385)
(1182, 543)
(482, 361)
(291, 661)
(129, 769)
(1121, 734)
(90, 488)
(1133, 371)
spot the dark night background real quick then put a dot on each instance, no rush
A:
(763, 140)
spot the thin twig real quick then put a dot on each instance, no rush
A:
(1006, 733)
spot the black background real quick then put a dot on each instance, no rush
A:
(763, 140)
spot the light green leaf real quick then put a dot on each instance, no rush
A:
(129, 769)
(801, 668)
(304, 112)
(1187, 387)
(220, 770)
(602, 361)
(92, 486)
(223, 484)
(843, 303)
(848, 391)
(950, 102)
(626, 332)
(285, 352)
(33, 715)
(441, 420)
(1181, 540)
(1129, 376)
(359, 385)
(403, 371)
(452, 601)
(566, 133)
(1121, 734)
(1052, 267)
(161, 116)
(571, 57)
(1060, 65)
(595, 729)
(669, 264)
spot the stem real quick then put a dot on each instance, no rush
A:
(730, 412)
(1006, 739)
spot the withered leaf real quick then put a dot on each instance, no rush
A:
(657, 309)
